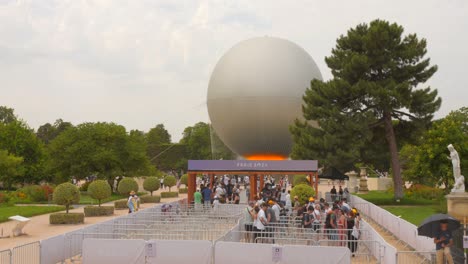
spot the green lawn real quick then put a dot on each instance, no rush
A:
(413, 214)
(385, 198)
(411, 209)
(27, 211)
(86, 199)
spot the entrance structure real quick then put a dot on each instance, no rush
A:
(254, 168)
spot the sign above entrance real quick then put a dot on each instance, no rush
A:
(253, 165)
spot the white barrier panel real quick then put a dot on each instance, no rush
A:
(235, 253)
(400, 228)
(116, 251)
(325, 255)
(53, 250)
(181, 252)
(386, 254)
(125, 251)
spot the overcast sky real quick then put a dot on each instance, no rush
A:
(140, 63)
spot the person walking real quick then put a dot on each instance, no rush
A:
(206, 192)
(197, 198)
(132, 202)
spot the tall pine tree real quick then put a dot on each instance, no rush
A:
(376, 72)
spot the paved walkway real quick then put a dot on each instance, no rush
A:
(39, 228)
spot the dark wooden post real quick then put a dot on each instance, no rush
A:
(192, 182)
(262, 182)
(211, 180)
(253, 186)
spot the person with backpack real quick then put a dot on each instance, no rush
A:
(307, 220)
(331, 223)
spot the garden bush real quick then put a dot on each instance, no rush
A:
(84, 186)
(419, 191)
(169, 194)
(150, 199)
(184, 179)
(300, 179)
(99, 190)
(170, 181)
(120, 204)
(66, 218)
(303, 192)
(151, 184)
(35, 193)
(183, 190)
(66, 194)
(98, 210)
(126, 185)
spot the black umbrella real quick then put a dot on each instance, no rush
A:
(431, 225)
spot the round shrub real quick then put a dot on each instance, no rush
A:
(151, 184)
(66, 194)
(170, 181)
(184, 179)
(99, 190)
(300, 179)
(303, 192)
(126, 185)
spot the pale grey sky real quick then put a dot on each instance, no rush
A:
(140, 63)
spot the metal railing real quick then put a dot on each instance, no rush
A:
(5, 256)
(28, 253)
(415, 257)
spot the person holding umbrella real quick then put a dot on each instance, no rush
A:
(443, 240)
(440, 227)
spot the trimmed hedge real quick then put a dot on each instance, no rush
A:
(150, 199)
(98, 210)
(183, 190)
(120, 204)
(169, 194)
(64, 218)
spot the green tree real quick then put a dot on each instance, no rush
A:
(184, 180)
(102, 149)
(10, 168)
(375, 74)
(303, 192)
(170, 181)
(198, 142)
(7, 115)
(151, 184)
(66, 194)
(158, 135)
(19, 140)
(126, 185)
(48, 132)
(99, 190)
(427, 163)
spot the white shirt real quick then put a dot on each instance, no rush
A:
(258, 222)
(288, 200)
(276, 209)
(317, 215)
(226, 180)
(246, 179)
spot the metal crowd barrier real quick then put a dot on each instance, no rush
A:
(415, 257)
(28, 253)
(5, 256)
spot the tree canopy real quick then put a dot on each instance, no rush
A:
(427, 163)
(376, 71)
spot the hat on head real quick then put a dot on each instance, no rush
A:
(296, 197)
(271, 202)
(311, 199)
(132, 192)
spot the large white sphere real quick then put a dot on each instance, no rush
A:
(255, 94)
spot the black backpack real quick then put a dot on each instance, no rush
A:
(328, 221)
